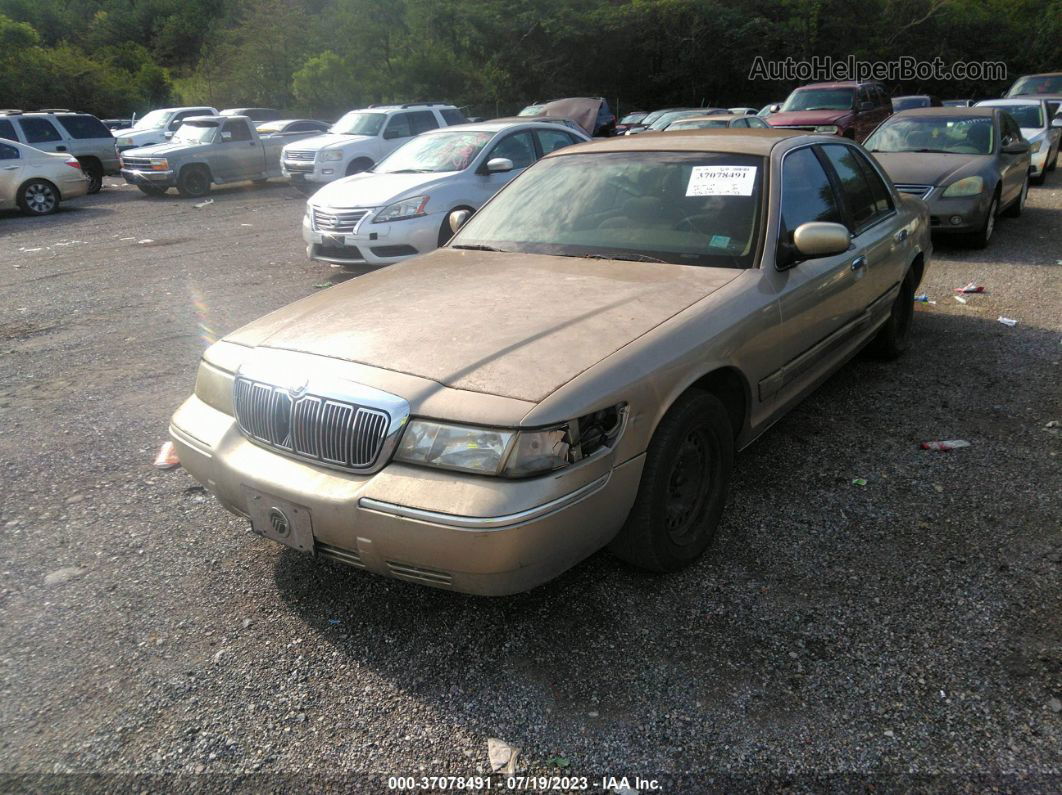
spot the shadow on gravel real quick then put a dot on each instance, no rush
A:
(824, 607)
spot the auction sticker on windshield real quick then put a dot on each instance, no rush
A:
(721, 181)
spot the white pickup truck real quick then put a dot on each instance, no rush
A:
(361, 139)
(205, 150)
(158, 126)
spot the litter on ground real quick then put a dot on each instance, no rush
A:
(943, 447)
(167, 457)
(1007, 321)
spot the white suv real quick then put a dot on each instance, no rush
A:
(361, 139)
(65, 132)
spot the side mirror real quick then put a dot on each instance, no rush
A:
(774, 108)
(498, 165)
(226, 135)
(1057, 121)
(1019, 147)
(168, 134)
(821, 239)
(864, 106)
(458, 218)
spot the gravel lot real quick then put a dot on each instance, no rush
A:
(896, 631)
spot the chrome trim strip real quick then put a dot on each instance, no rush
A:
(483, 522)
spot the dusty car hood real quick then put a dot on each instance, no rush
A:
(513, 325)
(372, 190)
(160, 150)
(804, 118)
(929, 168)
(330, 141)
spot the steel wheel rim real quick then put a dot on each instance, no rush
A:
(687, 487)
(40, 198)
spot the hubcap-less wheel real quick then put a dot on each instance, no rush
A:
(40, 198)
(687, 488)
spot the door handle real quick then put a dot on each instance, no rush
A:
(60, 149)
(858, 263)
(10, 168)
(900, 236)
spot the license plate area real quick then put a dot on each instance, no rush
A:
(339, 241)
(280, 520)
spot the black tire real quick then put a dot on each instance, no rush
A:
(152, 190)
(193, 182)
(38, 197)
(1040, 179)
(894, 337)
(683, 487)
(359, 165)
(980, 238)
(1054, 161)
(94, 171)
(1016, 206)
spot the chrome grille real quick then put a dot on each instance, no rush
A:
(337, 220)
(136, 162)
(320, 429)
(921, 191)
(299, 168)
(295, 155)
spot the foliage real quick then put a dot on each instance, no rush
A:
(323, 57)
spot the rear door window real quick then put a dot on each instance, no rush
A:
(422, 121)
(517, 147)
(552, 140)
(862, 208)
(8, 152)
(39, 131)
(7, 130)
(84, 126)
(453, 116)
(398, 126)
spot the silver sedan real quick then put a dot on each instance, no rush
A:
(401, 208)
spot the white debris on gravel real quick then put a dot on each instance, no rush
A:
(59, 576)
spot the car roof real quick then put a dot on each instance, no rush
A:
(1027, 99)
(914, 96)
(289, 121)
(729, 140)
(838, 84)
(214, 119)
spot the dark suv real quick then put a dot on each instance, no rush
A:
(849, 109)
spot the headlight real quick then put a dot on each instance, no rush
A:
(125, 142)
(828, 129)
(407, 208)
(331, 156)
(968, 186)
(507, 451)
(159, 164)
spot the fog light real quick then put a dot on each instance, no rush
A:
(326, 171)
(955, 220)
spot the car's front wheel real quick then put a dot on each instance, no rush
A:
(193, 182)
(980, 238)
(893, 338)
(38, 197)
(683, 487)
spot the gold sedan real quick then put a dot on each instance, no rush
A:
(575, 369)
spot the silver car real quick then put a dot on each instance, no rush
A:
(1039, 126)
(401, 208)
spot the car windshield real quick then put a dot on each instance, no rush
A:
(154, 120)
(1030, 115)
(272, 127)
(820, 99)
(632, 118)
(698, 125)
(903, 103)
(959, 135)
(686, 208)
(437, 152)
(1037, 84)
(195, 133)
(358, 123)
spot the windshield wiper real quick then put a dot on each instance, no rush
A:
(625, 257)
(478, 247)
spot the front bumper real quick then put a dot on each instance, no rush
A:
(373, 244)
(303, 171)
(448, 530)
(957, 216)
(160, 179)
